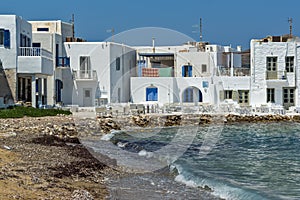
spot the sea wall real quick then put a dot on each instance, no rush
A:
(108, 123)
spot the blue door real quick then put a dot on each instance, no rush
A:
(151, 94)
(187, 71)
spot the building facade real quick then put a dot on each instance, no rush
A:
(25, 69)
(275, 71)
(42, 63)
(99, 74)
(190, 74)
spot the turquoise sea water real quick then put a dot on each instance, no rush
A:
(246, 161)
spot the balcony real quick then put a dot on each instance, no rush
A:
(276, 75)
(35, 60)
(237, 71)
(85, 75)
(62, 62)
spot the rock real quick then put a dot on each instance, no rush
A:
(81, 195)
(7, 147)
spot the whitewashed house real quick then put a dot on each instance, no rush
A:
(51, 35)
(190, 74)
(25, 70)
(100, 73)
(275, 71)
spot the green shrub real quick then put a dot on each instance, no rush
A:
(19, 112)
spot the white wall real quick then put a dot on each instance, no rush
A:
(103, 59)
(196, 59)
(121, 78)
(259, 84)
(169, 85)
(16, 26)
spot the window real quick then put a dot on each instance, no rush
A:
(243, 97)
(36, 44)
(87, 93)
(24, 41)
(85, 67)
(289, 64)
(271, 63)
(288, 95)
(151, 94)
(118, 64)
(271, 95)
(43, 29)
(1, 37)
(204, 68)
(5, 38)
(228, 94)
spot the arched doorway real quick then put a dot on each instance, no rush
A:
(192, 95)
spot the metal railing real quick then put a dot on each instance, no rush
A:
(238, 71)
(85, 75)
(34, 51)
(276, 75)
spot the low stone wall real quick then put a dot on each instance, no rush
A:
(108, 123)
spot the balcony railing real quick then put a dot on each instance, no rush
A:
(34, 51)
(276, 75)
(238, 71)
(85, 75)
(63, 62)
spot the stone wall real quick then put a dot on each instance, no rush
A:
(8, 85)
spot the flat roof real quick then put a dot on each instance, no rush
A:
(156, 54)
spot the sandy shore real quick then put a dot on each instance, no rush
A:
(37, 165)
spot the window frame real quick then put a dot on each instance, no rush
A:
(271, 63)
(204, 66)
(228, 94)
(243, 97)
(289, 64)
(118, 64)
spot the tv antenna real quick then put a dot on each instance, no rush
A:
(200, 29)
(201, 36)
(112, 31)
(290, 20)
(73, 26)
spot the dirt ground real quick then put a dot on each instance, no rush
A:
(41, 158)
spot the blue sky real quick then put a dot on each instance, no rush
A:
(228, 22)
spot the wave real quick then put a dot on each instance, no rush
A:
(219, 187)
(108, 137)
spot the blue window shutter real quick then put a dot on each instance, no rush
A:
(190, 71)
(183, 71)
(6, 39)
(155, 94)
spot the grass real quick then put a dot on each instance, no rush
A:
(19, 112)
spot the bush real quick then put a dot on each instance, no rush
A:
(19, 112)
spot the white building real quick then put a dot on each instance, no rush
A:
(25, 69)
(51, 35)
(275, 75)
(190, 74)
(100, 73)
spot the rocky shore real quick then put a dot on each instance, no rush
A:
(42, 158)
